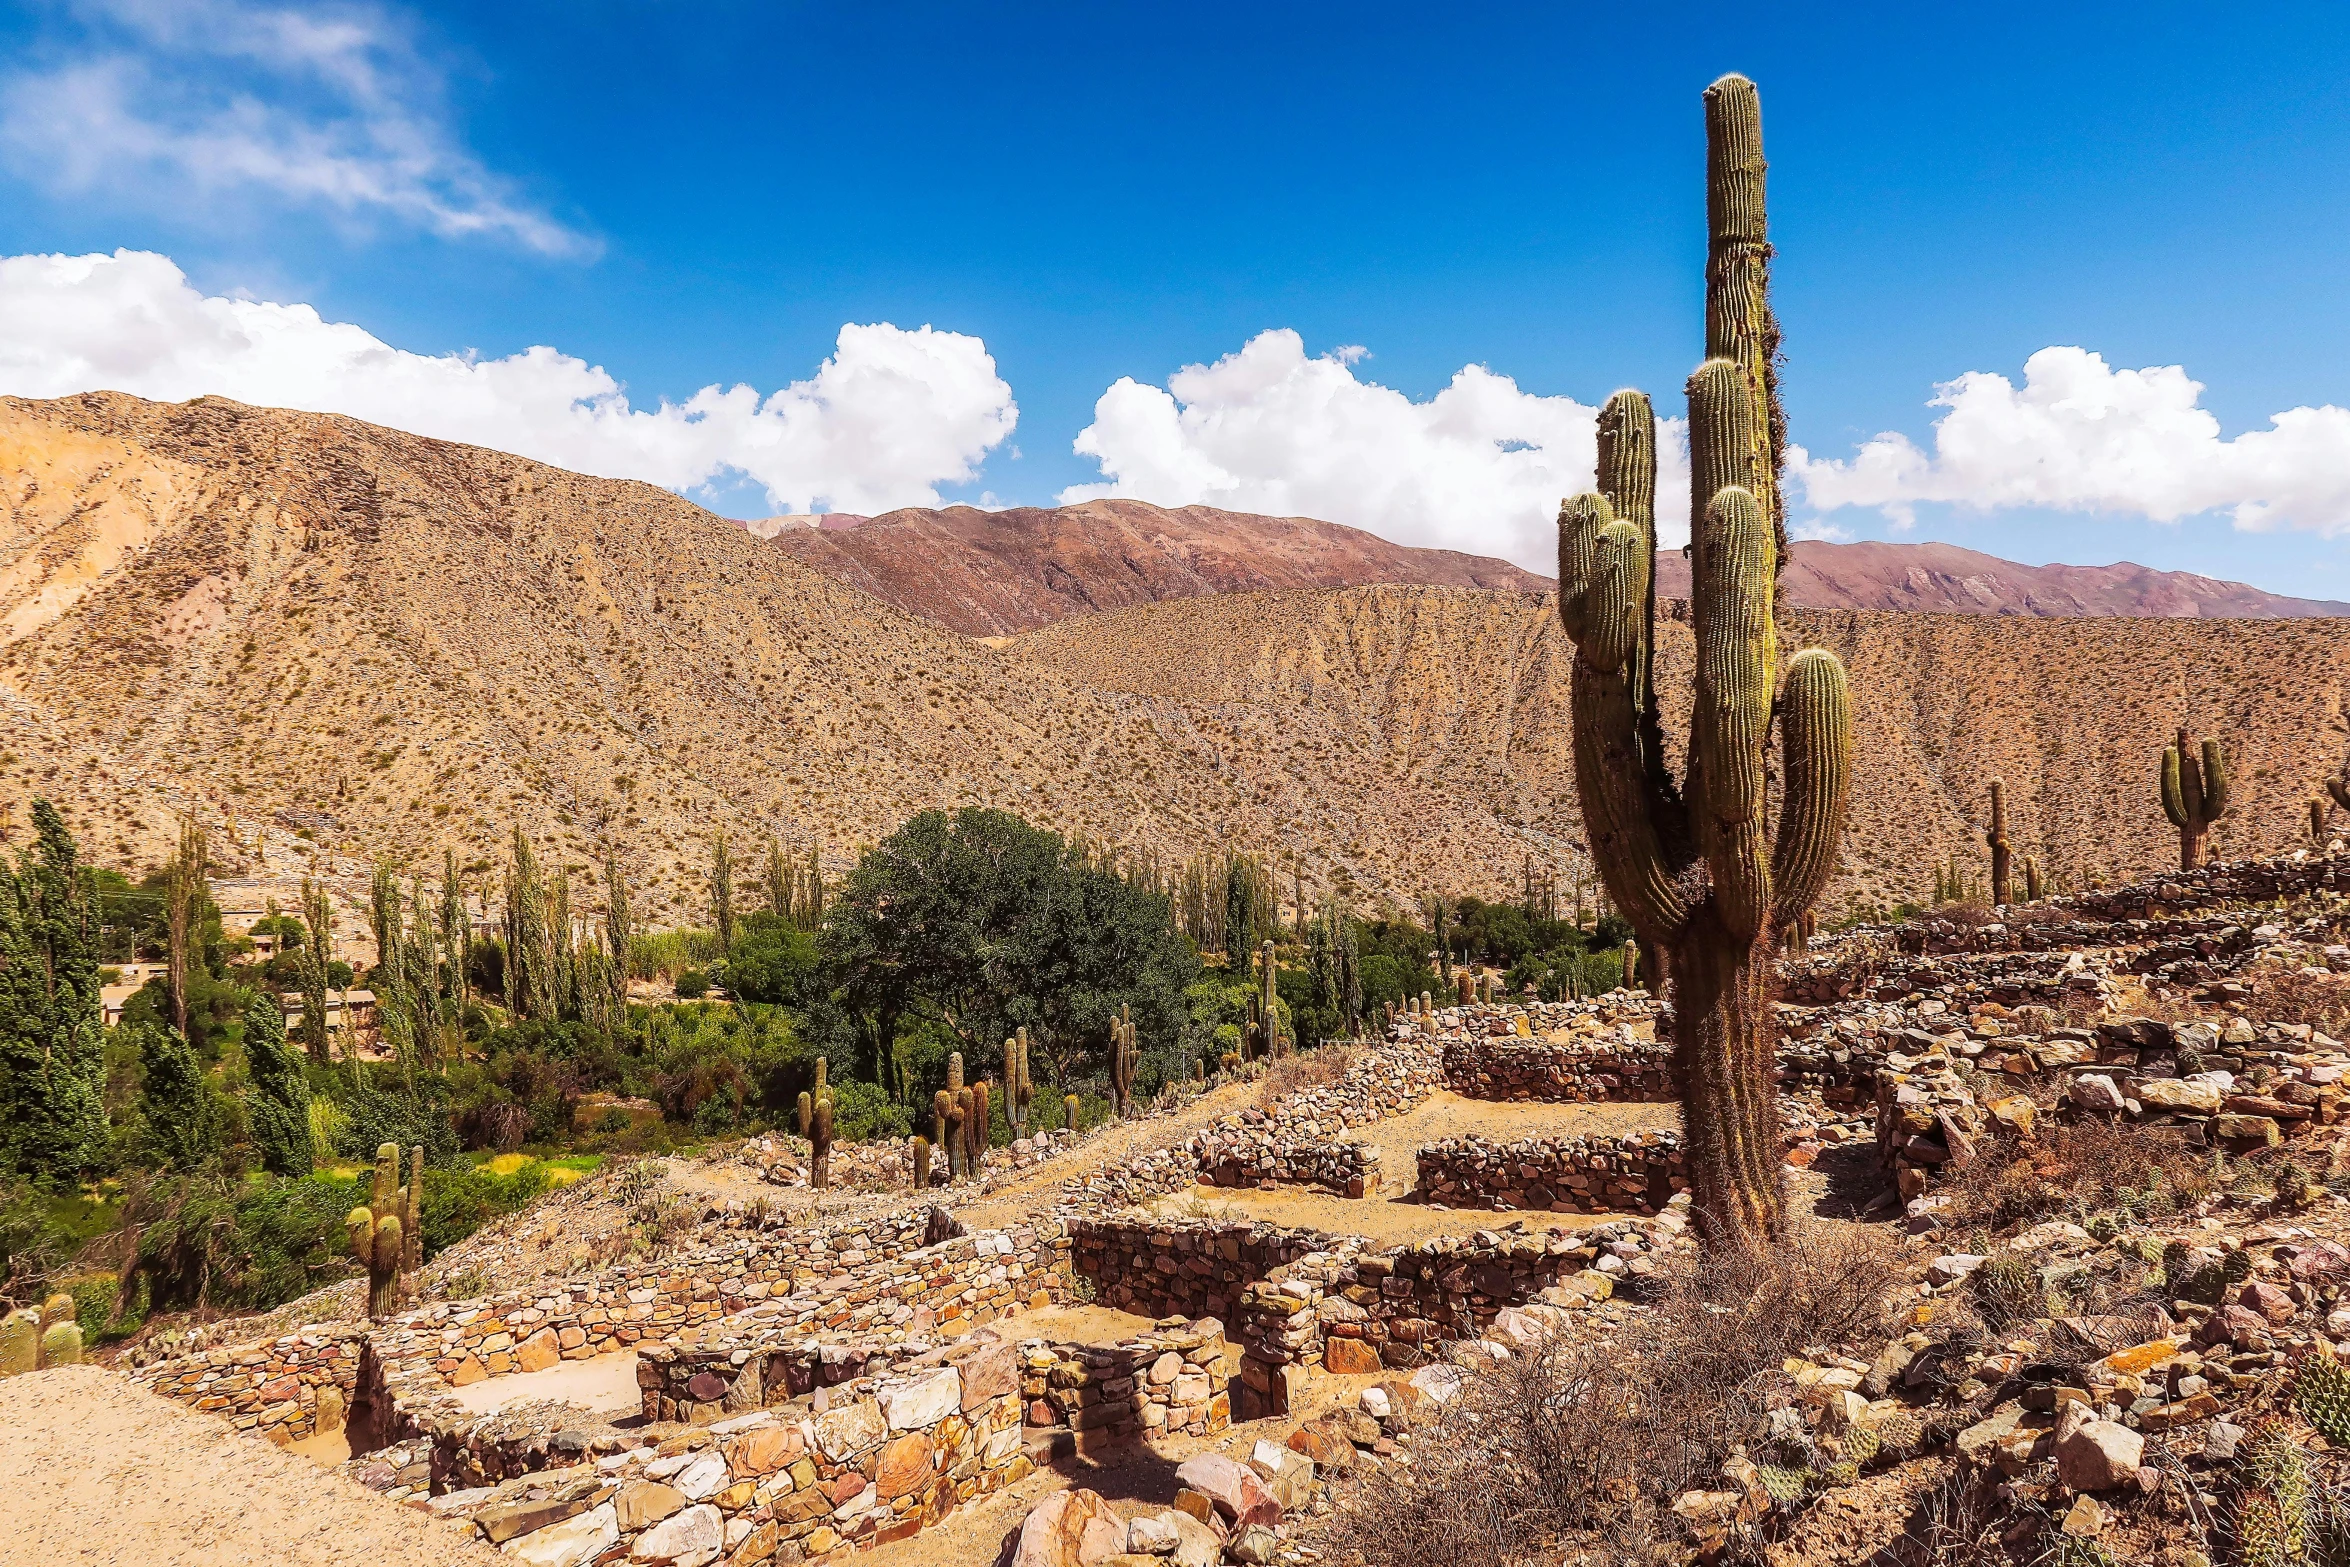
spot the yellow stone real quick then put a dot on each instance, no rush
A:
(2139, 1359)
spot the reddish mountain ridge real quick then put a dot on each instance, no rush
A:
(995, 573)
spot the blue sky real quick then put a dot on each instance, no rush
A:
(688, 196)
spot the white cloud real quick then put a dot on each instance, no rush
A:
(2079, 436)
(890, 416)
(1481, 466)
(184, 102)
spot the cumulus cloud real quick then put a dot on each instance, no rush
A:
(2081, 436)
(187, 101)
(1481, 466)
(890, 416)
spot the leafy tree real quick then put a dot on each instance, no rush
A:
(770, 960)
(277, 1102)
(980, 923)
(52, 1043)
(179, 1119)
(317, 957)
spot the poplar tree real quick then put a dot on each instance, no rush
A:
(277, 1100)
(52, 1043)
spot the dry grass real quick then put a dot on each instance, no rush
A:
(1588, 1444)
(2292, 995)
(2085, 1167)
(1300, 1070)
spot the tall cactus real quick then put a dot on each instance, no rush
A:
(2032, 884)
(2317, 820)
(1274, 1043)
(1122, 1053)
(1691, 865)
(954, 1114)
(820, 1144)
(2194, 794)
(1019, 1092)
(386, 1234)
(1995, 838)
(982, 1126)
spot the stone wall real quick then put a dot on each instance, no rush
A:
(1170, 1381)
(1571, 1071)
(1349, 1169)
(272, 1388)
(1188, 1268)
(1637, 1172)
(866, 1461)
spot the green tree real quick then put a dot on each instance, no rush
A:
(179, 1118)
(315, 969)
(52, 1043)
(277, 1100)
(770, 961)
(982, 924)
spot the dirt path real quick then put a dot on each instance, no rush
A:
(1034, 1189)
(95, 1471)
(604, 1383)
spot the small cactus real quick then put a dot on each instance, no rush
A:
(2236, 1267)
(2321, 1392)
(2317, 820)
(921, 1163)
(20, 1342)
(1069, 1111)
(2032, 883)
(807, 1113)
(1019, 1092)
(61, 1344)
(955, 1116)
(982, 1124)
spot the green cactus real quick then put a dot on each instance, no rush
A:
(61, 1344)
(387, 1234)
(2321, 1393)
(807, 1114)
(2032, 883)
(2194, 794)
(921, 1164)
(1692, 867)
(1019, 1091)
(20, 1342)
(1122, 1053)
(2273, 1513)
(2236, 1266)
(1069, 1112)
(982, 1125)
(2206, 1285)
(1270, 1001)
(1785, 1486)
(820, 1144)
(1995, 838)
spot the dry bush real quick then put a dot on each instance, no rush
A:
(1303, 1069)
(2291, 995)
(2081, 1167)
(1589, 1443)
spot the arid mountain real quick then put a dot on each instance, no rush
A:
(1464, 694)
(1948, 580)
(328, 642)
(989, 573)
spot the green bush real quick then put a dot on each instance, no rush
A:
(459, 1199)
(692, 985)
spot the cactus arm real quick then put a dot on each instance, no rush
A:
(359, 1225)
(2340, 792)
(1581, 517)
(1815, 730)
(2215, 782)
(2174, 800)
(1736, 671)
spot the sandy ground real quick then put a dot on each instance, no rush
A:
(95, 1471)
(1075, 1325)
(604, 1384)
(1018, 1199)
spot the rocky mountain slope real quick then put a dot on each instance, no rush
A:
(329, 641)
(1946, 579)
(987, 573)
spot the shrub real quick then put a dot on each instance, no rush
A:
(1591, 1442)
(692, 985)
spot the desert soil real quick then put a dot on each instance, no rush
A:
(603, 1384)
(97, 1471)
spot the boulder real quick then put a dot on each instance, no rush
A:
(2178, 1093)
(1069, 1529)
(1151, 1537)
(1349, 1357)
(1239, 1495)
(2099, 1455)
(1196, 1544)
(2095, 1091)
